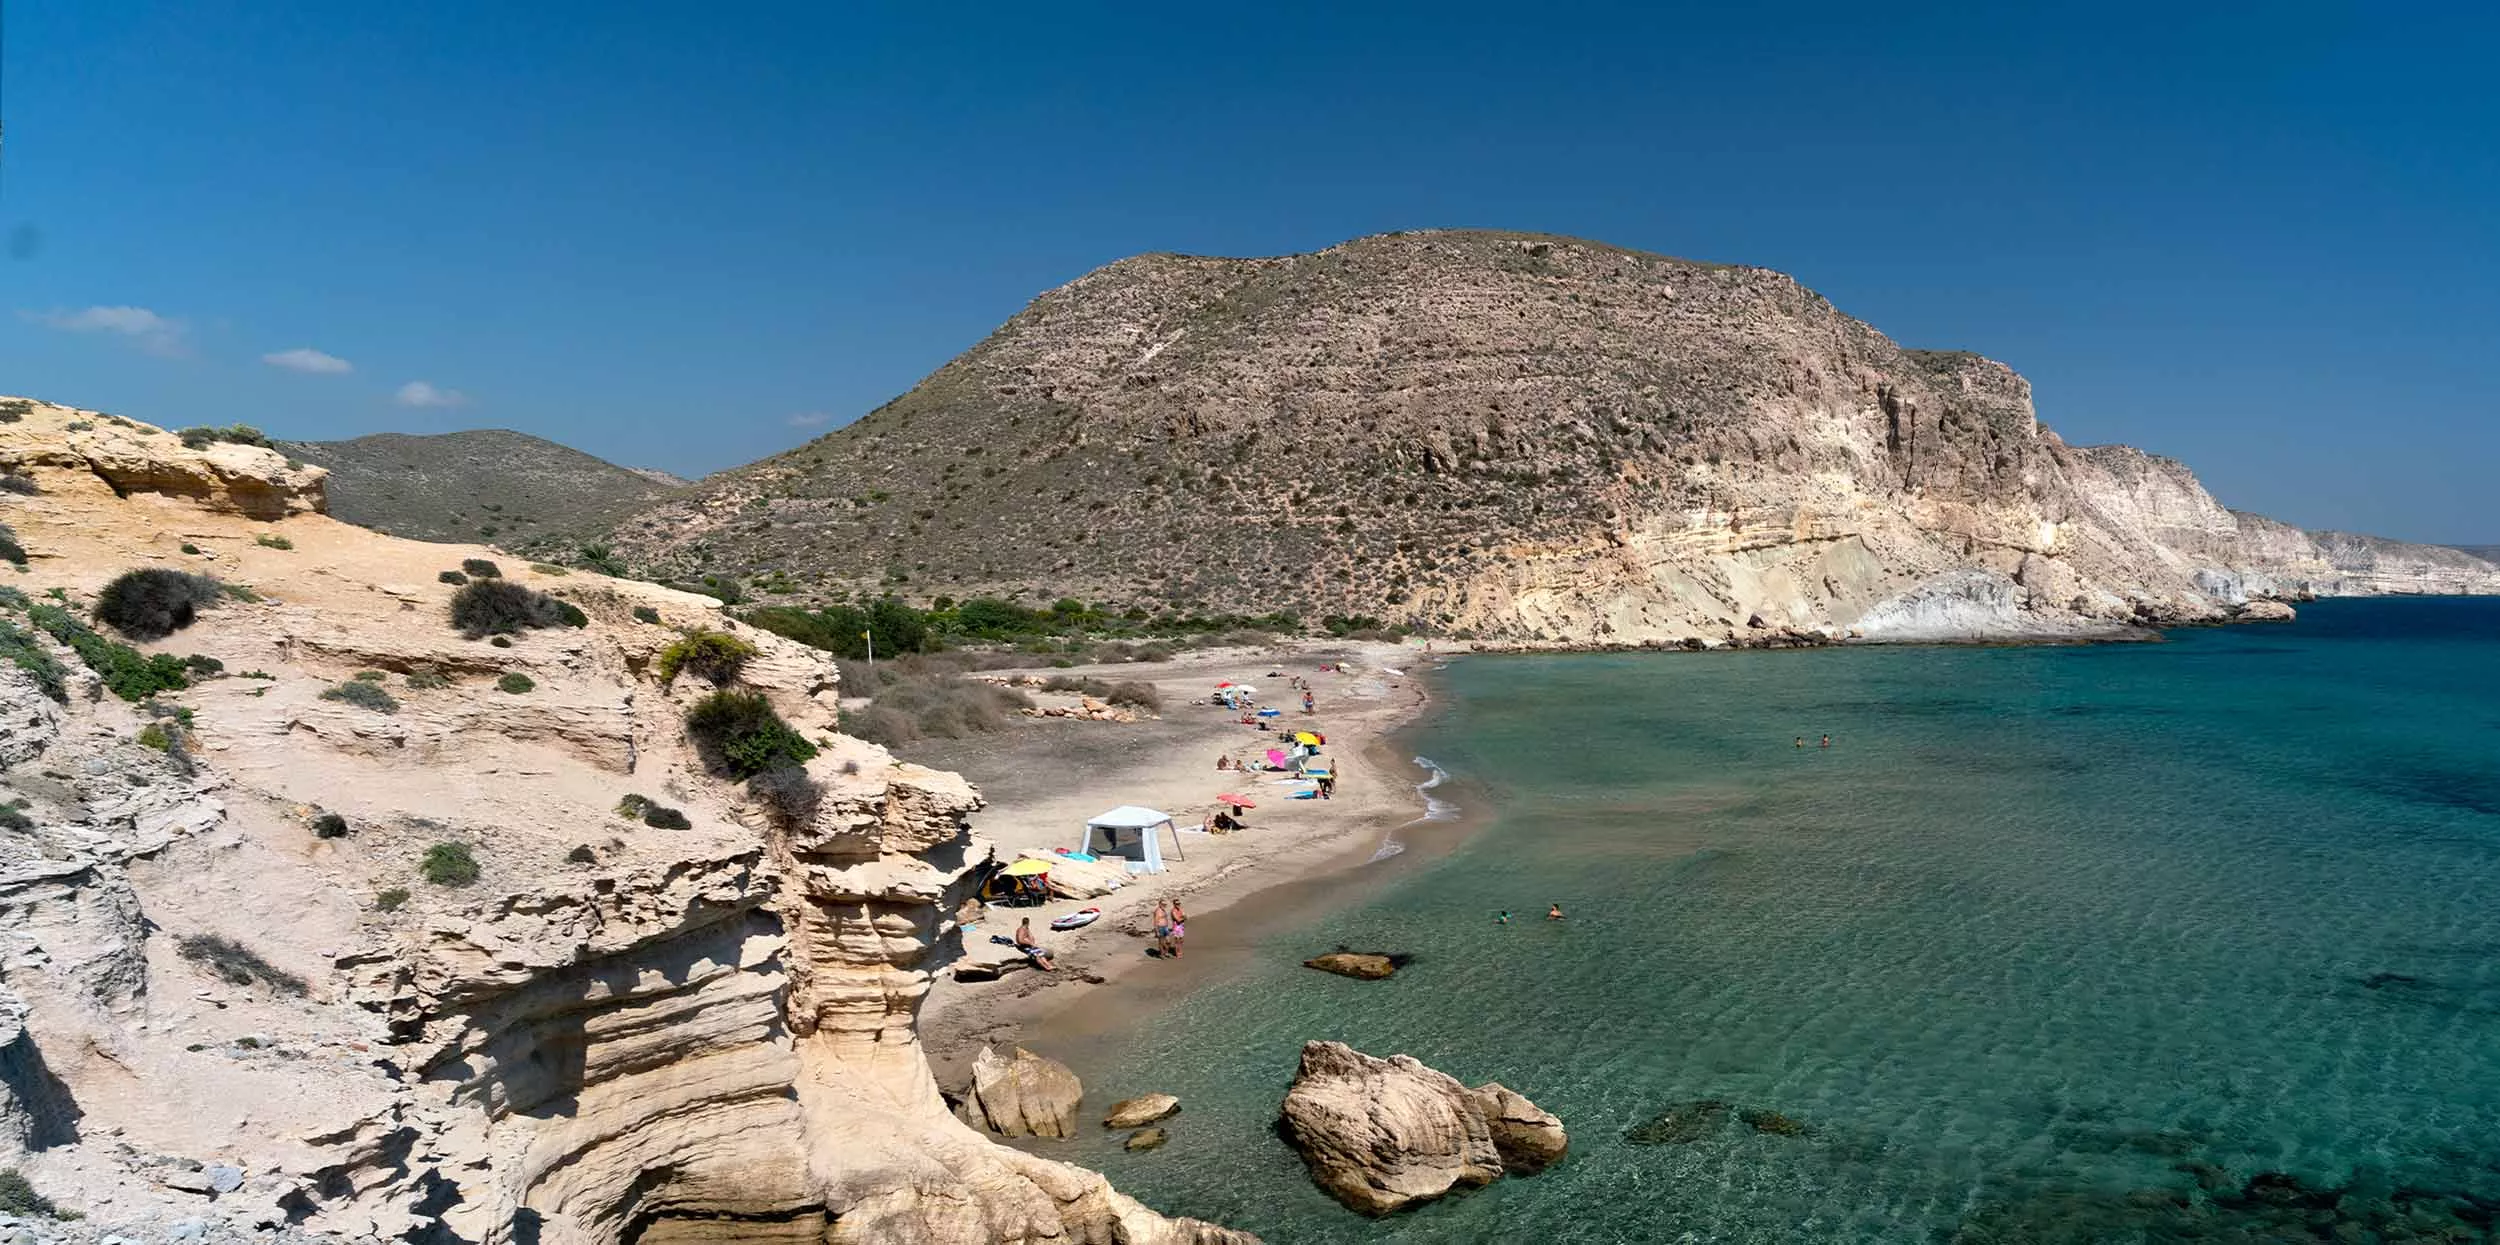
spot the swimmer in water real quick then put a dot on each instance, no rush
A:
(1502, 917)
(1827, 741)
(1554, 912)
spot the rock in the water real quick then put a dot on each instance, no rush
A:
(1023, 1096)
(1527, 1136)
(1145, 1139)
(1381, 1134)
(1353, 964)
(1771, 1122)
(1681, 1124)
(1140, 1111)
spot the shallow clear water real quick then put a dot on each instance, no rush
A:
(2045, 939)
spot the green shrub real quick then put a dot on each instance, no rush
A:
(202, 665)
(363, 696)
(569, 614)
(449, 864)
(23, 485)
(154, 602)
(10, 550)
(516, 683)
(428, 680)
(153, 735)
(646, 614)
(26, 654)
(738, 734)
(12, 598)
(501, 641)
(450, 577)
(480, 568)
(632, 807)
(237, 963)
(13, 816)
(390, 900)
(128, 673)
(548, 568)
(257, 674)
(268, 540)
(189, 548)
(659, 817)
(243, 593)
(240, 434)
(582, 855)
(602, 559)
(17, 1197)
(715, 656)
(501, 607)
(371, 676)
(329, 826)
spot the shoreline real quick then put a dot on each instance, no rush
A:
(1293, 859)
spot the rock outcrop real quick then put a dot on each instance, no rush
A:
(1140, 1111)
(1024, 1095)
(1359, 965)
(1527, 1136)
(1508, 436)
(371, 967)
(1381, 1135)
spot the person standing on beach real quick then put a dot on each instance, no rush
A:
(1180, 921)
(1163, 928)
(1307, 703)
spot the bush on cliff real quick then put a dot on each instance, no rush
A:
(449, 864)
(20, 648)
(480, 568)
(715, 656)
(10, 550)
(363, 695)
(154, 602)
(237, 963)
(202, 437)
(127, 672)
(501, 607)
(789, 793)
(739, 735)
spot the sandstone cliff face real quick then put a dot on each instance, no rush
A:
(1511, 435)
(617, 1032)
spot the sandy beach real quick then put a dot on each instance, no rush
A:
(1045, 777)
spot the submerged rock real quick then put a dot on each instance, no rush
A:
(1357, 964)
(1681, 1124)
(1145, 1139)
(1771, 1122)
(1383, 1134)
(1527, 1136)
(1140, 1111)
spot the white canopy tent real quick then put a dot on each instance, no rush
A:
(1129, 833)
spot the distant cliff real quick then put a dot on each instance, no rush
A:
(1504, 435)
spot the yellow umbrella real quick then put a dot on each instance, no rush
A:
(1306, 737)
(1026, 868)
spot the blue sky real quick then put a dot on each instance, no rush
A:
(2259, 238)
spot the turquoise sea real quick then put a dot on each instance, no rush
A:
(2191, 940)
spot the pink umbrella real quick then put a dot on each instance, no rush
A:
(1276, 758)
(1237, 801)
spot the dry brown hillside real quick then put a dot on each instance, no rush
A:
(1507, 434)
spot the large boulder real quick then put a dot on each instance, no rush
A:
(1527, 1136)
(1140, 1111)
(1023, 1096)
(1382, 1134)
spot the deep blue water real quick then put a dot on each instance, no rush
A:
(2068, 944)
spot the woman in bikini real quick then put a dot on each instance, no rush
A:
(1172, 944)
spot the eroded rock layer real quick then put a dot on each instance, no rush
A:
(404, 962)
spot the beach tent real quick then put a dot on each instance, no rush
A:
(1131, 833)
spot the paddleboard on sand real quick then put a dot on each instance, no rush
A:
(1078, 919)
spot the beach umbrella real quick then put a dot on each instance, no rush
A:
(1026, 868)
(1237, 801)
(1271, 713)
(1225, 684)
(1306, 737)
(1276, 757)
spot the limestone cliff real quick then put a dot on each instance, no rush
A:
(1506, 435)
(232, 988)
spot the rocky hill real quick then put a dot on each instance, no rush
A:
(1503, 435)
(321, 921)
(489, 484)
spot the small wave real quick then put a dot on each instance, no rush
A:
(1435, 809)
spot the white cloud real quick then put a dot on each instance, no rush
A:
(162, 335)
(307, 359)
(417, 393)
(809, 419)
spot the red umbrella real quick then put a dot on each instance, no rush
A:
(1237, 801)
